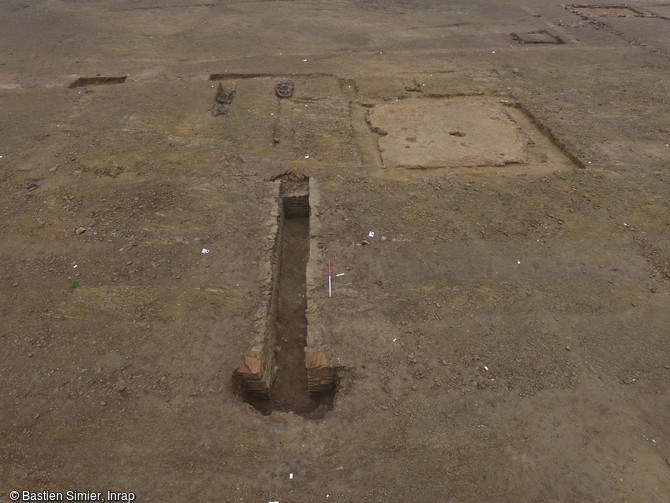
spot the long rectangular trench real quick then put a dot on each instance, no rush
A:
(287, 389)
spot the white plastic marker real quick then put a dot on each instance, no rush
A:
(330, 290)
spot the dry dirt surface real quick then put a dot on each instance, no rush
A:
(489, 182)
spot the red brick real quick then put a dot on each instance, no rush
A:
(315, 360)
(252, 365)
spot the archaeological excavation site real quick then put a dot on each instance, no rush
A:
(346, 251)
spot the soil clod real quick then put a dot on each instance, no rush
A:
(284, 89)
(224, 97)
(220, 110)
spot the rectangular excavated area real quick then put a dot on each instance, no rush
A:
(432, 133)
(475, 133)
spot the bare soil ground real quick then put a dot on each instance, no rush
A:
(504, 334)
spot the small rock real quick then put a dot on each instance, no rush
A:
(365, 242)
(515, 70)
(34, 184)
(80, 230)
(629, 380)
(103, 403)
(15, 284)
(120, 386)
(37, 416)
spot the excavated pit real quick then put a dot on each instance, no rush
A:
(97, 81)
(538, 37)
(591, 11)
